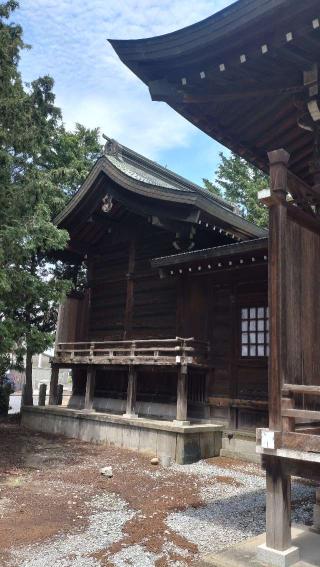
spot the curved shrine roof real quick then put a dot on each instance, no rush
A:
(242, 76)
(144, 178)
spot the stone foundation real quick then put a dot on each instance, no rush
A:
(182, 443)
(240, 445)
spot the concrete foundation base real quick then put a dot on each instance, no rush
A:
(182, 443)
(278, 558)
(248, 554)
(240, 445)
(131, 415)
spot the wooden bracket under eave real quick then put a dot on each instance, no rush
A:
(266, 197)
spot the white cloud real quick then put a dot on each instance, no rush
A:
(132, 124)
(69, 39)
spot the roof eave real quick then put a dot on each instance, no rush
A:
(229, 21)
(228, 250)
(195, 200)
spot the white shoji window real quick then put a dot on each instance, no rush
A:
(254, 331)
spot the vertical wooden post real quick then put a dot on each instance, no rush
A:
(42, 395)
(90, 386)
(278, 508)
(182, 395)
(277, 284)
(278, 498)
(53, 385)
(130, 290)
(59, 394)
(131, 393)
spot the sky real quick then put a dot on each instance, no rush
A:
(93, 87)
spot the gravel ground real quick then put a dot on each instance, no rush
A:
(235, 506)
(56, 510)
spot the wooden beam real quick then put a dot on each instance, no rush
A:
(90, 387)
(301, 414)
(309, 222)
(304, 468)
(245, 94)
(295, 213)
(301, 389)
(301, 442)
(239, 403)
(165, 91)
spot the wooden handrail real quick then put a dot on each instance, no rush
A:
(135, 351)
(301, 389)
(134, 341)
(301, 413)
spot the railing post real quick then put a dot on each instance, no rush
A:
(53, 385)
(59, 394)
(42, 395)
(90, 386)
(132, 350)
(131, 393)
(91, 351)
(182, 396)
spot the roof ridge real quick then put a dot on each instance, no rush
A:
(114, 148)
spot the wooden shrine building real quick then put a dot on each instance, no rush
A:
(248, 76)
(173, 275)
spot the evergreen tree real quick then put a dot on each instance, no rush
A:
(239, 182)
(41, 165)
(73, 154)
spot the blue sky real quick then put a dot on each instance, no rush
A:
(93, 87)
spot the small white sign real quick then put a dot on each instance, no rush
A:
(267, 439)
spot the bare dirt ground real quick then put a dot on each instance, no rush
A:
(57, 510)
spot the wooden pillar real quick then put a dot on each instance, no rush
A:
(278, 548)
(277, 283)
(90, 386)
(182, 396)
(278, 507)
(131, 393)
(130, 290)
(53, 385)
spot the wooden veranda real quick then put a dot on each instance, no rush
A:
(178, 353)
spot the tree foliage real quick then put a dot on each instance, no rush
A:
(41, 166)
(239, 182)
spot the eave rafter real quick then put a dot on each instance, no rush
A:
(237, 77)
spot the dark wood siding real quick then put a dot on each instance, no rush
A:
(154, 304)
(211, 310)
(151, 311)
(108, 292)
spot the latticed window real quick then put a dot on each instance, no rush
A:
(254, 331)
